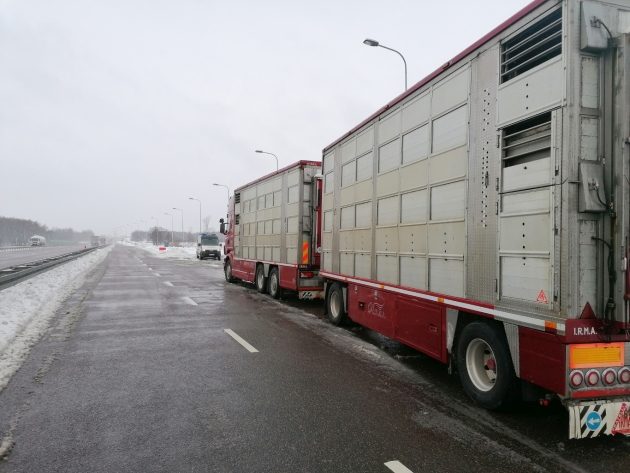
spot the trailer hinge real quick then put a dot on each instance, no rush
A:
(496, 212)
(498, 140)
(496, 286)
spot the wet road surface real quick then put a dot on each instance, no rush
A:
(14, 257)
(159, 365)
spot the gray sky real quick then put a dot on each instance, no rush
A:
(114, 111)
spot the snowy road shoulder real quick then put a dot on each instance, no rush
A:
(27, 307)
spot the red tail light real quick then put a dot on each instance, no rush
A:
(609, 377)
(592, 378)
(307, 274)
(576, 379)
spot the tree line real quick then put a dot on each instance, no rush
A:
(17, 231)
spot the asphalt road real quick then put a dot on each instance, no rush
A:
(14, 257)
(139, 374)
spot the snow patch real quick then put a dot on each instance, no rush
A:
(179, 252)
(27, 308)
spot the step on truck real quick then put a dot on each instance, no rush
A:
(272, 236)
(482, 217)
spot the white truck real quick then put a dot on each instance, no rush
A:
(37, 240)
(208, 246)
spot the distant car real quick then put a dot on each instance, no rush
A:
(37, 240)
(208, 245)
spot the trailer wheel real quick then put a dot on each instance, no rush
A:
(334, 305)
(261, 280)
(227, 269)
(274, 283)
(485, 366)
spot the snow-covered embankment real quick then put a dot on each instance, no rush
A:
(27, 307)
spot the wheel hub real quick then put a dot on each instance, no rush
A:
(481, 364)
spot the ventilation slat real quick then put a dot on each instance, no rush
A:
(527, 141)
(517, 57)
(521, 131)
(535, 45)
(524, 64)
(529, 39)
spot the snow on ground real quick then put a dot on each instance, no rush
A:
(27, 307)
(187, 252)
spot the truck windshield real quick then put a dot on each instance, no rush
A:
(212, 240)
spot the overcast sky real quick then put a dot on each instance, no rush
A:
(115, 111)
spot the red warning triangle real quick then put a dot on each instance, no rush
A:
(542, 297)
(622, 424)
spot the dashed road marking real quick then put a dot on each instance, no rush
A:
(189, 301)
(157, 274)
(397, 467)
(168, 283)
(150, 269)
(247, 346)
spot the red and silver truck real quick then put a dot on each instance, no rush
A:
(273, 232)
(482, 217)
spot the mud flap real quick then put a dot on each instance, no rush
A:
(310, 295)
(591, 419)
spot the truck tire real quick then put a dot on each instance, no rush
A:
(273, 284)
(334, 305)
(485, 366)
(227, 269)
(260, 280)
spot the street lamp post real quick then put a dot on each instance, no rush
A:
(192, 198)
(182, 211)
(172, 237)
(271, 154)
(223, 185)
(374, 43)
(228, 191)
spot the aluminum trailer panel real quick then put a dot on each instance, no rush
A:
(494, 193)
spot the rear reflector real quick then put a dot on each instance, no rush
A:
(596, 355)
(307, 274)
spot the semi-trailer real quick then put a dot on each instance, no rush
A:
(482, 217)
(273, 235)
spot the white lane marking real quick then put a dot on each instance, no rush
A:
(150, 269)
(397, 467)
(168, 283)
(189, 301)
(157, 274)
(247, 346)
